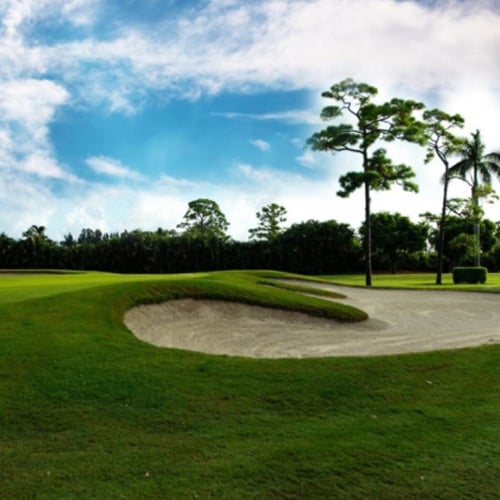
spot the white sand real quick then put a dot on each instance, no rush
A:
(400, 322)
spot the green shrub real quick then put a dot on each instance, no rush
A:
(469, 274)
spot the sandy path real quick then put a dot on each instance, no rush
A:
(400, 322)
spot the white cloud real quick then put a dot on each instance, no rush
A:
(80, 12)
(308, 159)
(111, 167)
(16, 13)
(262, 175)
(161, 204)
(31, 103)
(25, 201)
(240, 195)
(45, 166)
(174, 183)
(294, 116)
(6, 149)
(371, 39)
(260, 144)
(480, 108)
(282, 44)
(86, 216)
(27, 108)
(447, 54)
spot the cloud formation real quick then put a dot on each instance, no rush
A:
(243, 45)
(260, 144)
(27, 108)
(443, 53)
(111, 167)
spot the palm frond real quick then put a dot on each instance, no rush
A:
(460, 168)
(484, 172)
(493, 157)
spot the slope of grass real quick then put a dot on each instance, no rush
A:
(23, 285)
(303, 289)
(89, 411)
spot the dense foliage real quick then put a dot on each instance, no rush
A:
(470, 275)
(310, 247)
(396, 240)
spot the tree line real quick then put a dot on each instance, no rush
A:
(458, 235)
(200, 243)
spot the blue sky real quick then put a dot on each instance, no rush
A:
(114, 114)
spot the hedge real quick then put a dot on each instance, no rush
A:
(469, 275)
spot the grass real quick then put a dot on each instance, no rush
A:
(89, 411)
(416, 281)
(308, 290)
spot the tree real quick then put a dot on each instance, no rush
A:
(90, 236)
(270, 219)
(36, 241)
(458, 243)
(476, 166)
(460, 249)
(394, 237)
(442, 143)
(68, 241)
(35, 234)
(314, 247)
(7, 251)
(372, 123)
(204, 219)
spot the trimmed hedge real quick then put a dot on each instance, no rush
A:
(469, 275)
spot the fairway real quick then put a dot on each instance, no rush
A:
(87, 410)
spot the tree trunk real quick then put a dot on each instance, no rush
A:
(439, 276)
(475, 206)
(368, 237)
(368, 221)
(477, 256)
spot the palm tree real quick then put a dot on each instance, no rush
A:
(476, 166)
(37, 239)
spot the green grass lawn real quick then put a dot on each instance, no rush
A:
(415, 281)
(89, 411)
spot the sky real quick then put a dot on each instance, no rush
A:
(114, 114)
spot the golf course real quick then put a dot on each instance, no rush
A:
(91, 408)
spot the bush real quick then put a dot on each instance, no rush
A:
(469, 274)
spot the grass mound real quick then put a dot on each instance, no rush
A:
(303, 289)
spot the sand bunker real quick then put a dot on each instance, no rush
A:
(400, 322)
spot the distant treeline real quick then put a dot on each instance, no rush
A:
(310, 247)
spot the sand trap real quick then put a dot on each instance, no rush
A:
(400, 322)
